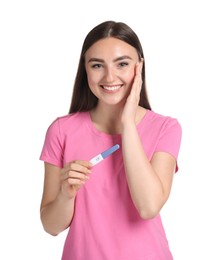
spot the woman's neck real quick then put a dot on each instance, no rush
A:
(108, 119)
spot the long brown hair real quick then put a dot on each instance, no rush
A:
(83, 99)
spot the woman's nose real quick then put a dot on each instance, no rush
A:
(109, 75)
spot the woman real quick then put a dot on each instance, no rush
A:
(112, 209)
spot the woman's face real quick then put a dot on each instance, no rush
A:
(110, 66)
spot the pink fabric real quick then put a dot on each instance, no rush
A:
(106, 225)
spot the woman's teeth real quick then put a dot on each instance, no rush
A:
(112, 88)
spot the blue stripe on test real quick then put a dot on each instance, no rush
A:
(110, 151)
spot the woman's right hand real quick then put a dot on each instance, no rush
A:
(73, 176)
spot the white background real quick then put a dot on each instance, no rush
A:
(40, 43)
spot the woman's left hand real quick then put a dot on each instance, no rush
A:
(131, 105)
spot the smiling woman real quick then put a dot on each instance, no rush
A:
(110, 66)
(111, 210)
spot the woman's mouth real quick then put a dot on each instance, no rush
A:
(111, 88)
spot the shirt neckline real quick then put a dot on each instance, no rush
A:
(103, 134)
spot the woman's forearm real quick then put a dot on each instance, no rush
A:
(57, 215)
(145, 186)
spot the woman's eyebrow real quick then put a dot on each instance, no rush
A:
(124, 57)
(95, 59)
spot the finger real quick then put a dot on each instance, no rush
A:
(84, 163)
(76, 182)
(80, 166)
(80, 162)
(139, 77)
(137, 83)
(77, 175)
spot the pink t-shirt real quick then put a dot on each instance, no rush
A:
(106, 225)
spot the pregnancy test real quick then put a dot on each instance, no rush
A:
(100, 157)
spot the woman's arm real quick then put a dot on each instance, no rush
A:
(58, 199)
(149, 182)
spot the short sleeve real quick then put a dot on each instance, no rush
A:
(170, 138)
(52, 151)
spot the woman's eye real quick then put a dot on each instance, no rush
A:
(123, 64)
(96, 66)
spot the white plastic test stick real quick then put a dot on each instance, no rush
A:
(100, 157)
